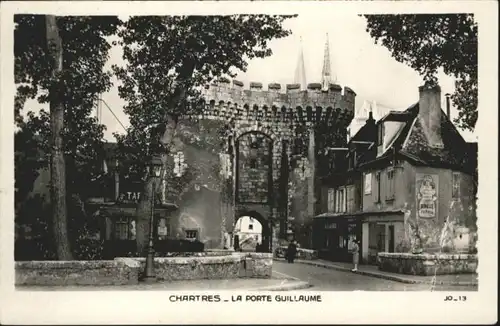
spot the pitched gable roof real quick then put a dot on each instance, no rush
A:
(367, 137)
(412, 142)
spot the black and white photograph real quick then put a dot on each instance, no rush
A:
(251, 157)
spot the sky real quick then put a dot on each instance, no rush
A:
(356, 61)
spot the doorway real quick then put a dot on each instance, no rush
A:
(391, 238)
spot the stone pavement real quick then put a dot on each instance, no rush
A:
(370, 270)
(278, 282)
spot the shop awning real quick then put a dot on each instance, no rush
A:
(131, 208)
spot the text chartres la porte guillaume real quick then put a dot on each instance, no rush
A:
(246, 298)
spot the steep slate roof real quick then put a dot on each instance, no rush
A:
(412, 143)
(365, 151)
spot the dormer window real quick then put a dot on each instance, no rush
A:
(380, 136)
(388, 129)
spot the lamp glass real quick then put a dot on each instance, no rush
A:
(156, 165)
(156, 170)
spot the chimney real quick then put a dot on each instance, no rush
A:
(430, 114)
(370, 117)
(448, 104)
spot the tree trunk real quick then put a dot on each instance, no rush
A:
(144, 206)
(57, 164)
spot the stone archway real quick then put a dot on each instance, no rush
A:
(266, 230)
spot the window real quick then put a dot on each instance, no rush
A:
(341, 200)
(390, 184)
(191, 234)
(377, 177)
(162, 229)
(455, 191)
(253, 163)
(331, 200)
(352, 159)
(368, 183)
(380, 138)
(344, 203)
(254, 155)
(250, 226)
(341, 242)
(350, 199)
(124, 229)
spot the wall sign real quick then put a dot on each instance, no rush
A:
(427, 195)
(368, 183)
(330, 226)
(129, 196)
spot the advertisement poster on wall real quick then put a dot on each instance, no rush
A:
(368, 183)
(427, 195)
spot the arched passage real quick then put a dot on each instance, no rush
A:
(243, 237)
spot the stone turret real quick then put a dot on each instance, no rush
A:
(294, 126)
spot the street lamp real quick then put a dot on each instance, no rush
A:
(149, 271)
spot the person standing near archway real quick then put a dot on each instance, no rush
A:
(236, 243)
(291, 251)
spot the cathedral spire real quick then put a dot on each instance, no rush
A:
(300, 71)
(326, 74)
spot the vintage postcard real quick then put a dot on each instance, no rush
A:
(249, 162)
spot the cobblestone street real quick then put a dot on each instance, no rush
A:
(323, 279)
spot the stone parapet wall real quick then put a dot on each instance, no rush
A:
(302, 253)
(206, 253)
(235, 95)
(61, 273)
(427, 264)
(218, 252)
(194, 268)
(262, 264)
(236, 265)
(127, 270)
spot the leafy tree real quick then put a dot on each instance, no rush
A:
(429, 42)
(168, 60)
(77, 87)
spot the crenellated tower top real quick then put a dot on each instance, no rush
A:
(231, 99)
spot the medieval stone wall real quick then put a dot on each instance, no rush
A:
(288, 118)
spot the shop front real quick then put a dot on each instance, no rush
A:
(334, 236)
(383, 232)
(118, 224)
(119, 228)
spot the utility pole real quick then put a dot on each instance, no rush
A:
(57, 162)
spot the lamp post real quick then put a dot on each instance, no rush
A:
(149, 271)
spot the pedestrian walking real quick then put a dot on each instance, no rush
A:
(355, 255)
(291, 251)
(236, 243)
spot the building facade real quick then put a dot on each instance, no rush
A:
(340, 222)
(418, 183)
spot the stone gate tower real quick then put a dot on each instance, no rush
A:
(276, 148)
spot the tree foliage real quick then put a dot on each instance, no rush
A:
(429, 42)
(85, 53)
(168, 61)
